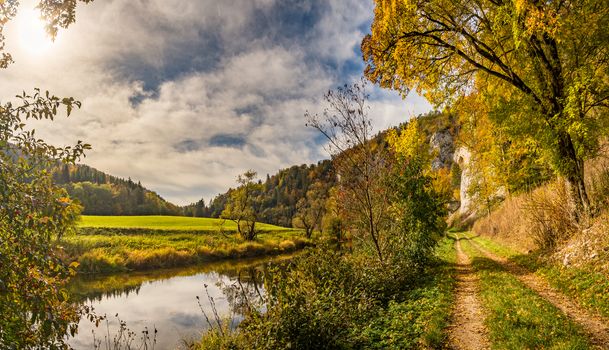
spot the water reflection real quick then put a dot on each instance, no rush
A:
(166, 299)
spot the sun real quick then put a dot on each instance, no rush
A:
(32, 36)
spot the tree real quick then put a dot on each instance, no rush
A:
(500, 163)
(310, 208)
(243, 206)
(543, 63)
(360, 162)
(56, 14)
(199, 209)
(34, 213)
(418, 204)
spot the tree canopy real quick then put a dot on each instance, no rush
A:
(56, 14)
(542, 64)
(34, 213)
(243, 206)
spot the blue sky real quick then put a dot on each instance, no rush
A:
(184, 95)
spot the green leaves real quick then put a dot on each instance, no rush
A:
(34, 214)
(542, 67)
(243, 206)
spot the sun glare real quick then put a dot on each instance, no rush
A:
(32, 36)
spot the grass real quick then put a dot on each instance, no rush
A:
(150, 242)
(420, 320)
(588, 287)
(172, 223)
(517, 318)
(492, 246)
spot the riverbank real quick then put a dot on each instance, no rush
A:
(166, 299)
(153, 243)
(337, 300)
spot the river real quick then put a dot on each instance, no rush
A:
(167, 300)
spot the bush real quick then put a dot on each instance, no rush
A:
(314, 305)
(35, 312)
(335, 228)
(323, 300)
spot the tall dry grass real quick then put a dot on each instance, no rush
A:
(597, 182)
(543, 218)
(508, 225)
(538, 219)
(549, 215)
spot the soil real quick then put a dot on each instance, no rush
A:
(467, 330)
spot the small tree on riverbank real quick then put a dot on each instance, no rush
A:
(310, 209)
(243, 206)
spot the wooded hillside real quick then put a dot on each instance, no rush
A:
(103, 194)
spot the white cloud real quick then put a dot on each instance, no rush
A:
(177, 139)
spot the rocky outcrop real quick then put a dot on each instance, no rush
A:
(462, 157)
(442, 146)
(445, 154)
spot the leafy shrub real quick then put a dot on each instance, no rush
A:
(35, 312)
(335, 228)
(306, 312)
(328, 299)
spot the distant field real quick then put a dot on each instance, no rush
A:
(127, 243)
(173, 223)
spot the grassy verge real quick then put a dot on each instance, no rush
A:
(420, 320)
(121, 247)
(415, 316)
(588, 287)
(517, 318)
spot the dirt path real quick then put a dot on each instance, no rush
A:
(594, 326)
(467, 329)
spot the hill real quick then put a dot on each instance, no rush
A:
(282, 191)
(103, 194)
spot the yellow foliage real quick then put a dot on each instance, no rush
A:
(441, 182)
(410, 143)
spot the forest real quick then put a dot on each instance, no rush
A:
(102, 194)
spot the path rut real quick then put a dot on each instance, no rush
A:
(595, 326)
(467, 330)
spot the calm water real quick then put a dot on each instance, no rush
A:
(167, 300)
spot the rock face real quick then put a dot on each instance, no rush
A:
(442, 146)
(462, 157)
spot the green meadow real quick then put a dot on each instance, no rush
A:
(104, 244)
(173, 223)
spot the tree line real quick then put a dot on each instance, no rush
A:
(103, 194)
(279, 195)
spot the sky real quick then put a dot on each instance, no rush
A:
(184, 95)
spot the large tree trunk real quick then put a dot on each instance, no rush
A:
(574, 175)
